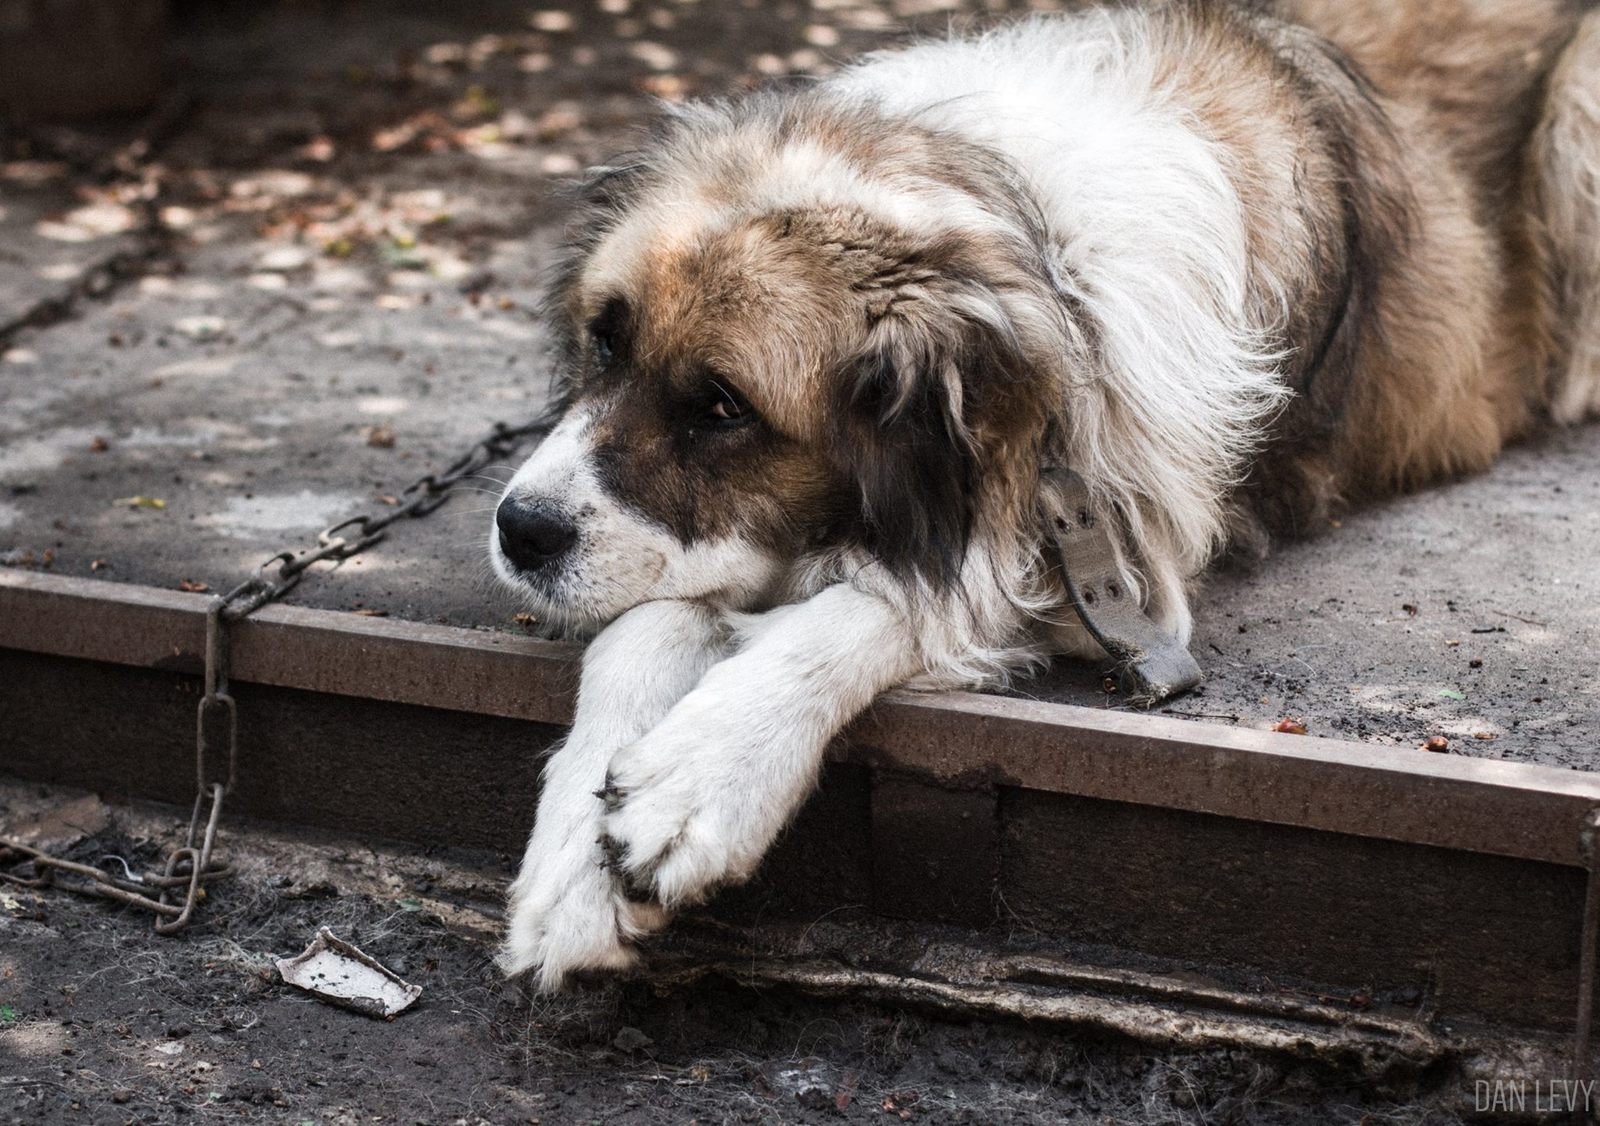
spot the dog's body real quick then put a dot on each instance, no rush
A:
(1234, 267)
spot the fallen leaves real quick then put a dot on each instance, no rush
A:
(22, 557)
(189, 586)
(1290, 726)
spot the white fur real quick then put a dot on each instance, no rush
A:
(707, 791)
(710, 760)
(566, 910)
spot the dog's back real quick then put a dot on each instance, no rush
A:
(1477, 68)
(1512, 87)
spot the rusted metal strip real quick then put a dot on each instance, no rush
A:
(960, 740)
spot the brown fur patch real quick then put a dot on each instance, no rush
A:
(846, 336)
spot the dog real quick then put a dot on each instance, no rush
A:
(1236, 266)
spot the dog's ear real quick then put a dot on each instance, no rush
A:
(902, 443)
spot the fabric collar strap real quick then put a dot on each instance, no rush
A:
(1152, 665)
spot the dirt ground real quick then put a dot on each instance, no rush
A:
(102, 1021)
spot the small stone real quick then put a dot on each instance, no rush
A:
(632, 1041)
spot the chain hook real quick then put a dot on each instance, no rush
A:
(189, 868)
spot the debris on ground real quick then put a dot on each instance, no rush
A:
(346, 975)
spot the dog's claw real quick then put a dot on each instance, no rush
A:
(611, 794)
(635, 887)
(611, 850)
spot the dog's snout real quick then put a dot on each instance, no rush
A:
(534, 533)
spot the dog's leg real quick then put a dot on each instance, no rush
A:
(705, 793)
(566, 910)
(1566, 162)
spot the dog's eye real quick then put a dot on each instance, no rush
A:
(726, 407)
(606, 331)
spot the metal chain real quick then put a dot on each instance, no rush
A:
(181, 884)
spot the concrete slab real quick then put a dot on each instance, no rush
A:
(359, 206)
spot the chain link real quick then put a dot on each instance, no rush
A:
(181, 885)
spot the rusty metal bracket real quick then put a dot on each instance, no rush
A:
(1152, 664)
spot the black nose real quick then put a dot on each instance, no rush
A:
(533, 534)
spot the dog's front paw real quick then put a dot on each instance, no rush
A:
(688, 811)
(569, 914)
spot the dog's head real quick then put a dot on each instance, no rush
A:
(775, 349)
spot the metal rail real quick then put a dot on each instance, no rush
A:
(958, 739)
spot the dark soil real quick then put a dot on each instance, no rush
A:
(102, 1021)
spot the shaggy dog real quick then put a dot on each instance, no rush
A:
(1234, 266)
